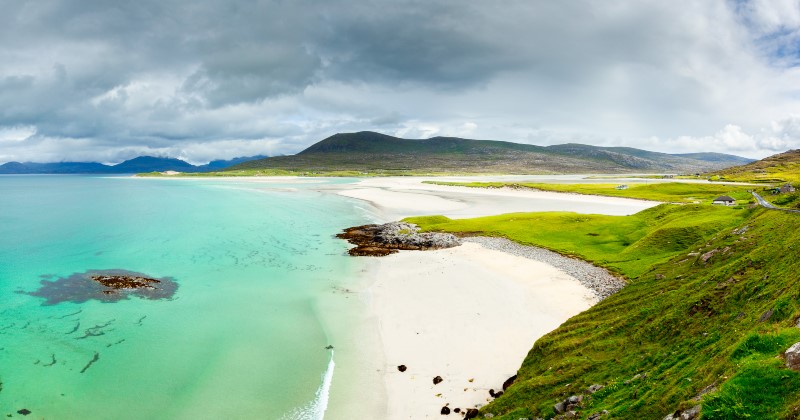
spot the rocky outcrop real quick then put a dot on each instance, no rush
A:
(509, 382)
(388, 238)
(792, 355)
(105, 286)
(690, 414)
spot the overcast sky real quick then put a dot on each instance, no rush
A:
(206, 79)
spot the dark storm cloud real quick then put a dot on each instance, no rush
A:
(205, 79)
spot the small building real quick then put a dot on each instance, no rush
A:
(622, 187)
(788, 188)
(724, 200)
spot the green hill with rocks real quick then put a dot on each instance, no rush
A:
(701, 330)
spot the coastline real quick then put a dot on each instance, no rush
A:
(469, 314)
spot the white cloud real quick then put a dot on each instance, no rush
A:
(92, 82)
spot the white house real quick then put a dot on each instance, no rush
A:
(724, 200)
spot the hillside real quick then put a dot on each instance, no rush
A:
(373, 152)
(783, 167)
(711, 305)
(135, 165)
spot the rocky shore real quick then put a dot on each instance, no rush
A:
(388, 238)
(597, 279)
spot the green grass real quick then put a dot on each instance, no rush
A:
(629, 245)
(676, 192)
(681, 323)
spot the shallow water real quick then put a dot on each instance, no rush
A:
(240, 338)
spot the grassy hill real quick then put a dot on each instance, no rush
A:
(780, 168)
(374, 153)
(711, 304)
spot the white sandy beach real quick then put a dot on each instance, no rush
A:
(468, 314)
(399, 197)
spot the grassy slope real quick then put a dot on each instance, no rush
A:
(667, 192)
(696, 326)
(783, 167)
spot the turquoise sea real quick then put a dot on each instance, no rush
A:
(244, 334)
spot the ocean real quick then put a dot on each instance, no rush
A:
(236, 329)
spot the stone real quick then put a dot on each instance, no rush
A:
(574, 399)
(691, 414)
(511, 380)
(457, 410)
(707, 256)
(388, 238)
(488, 416)
(24, 411)
(571, 415)
(595, 387)
(498, 394)
(437, 380)
(560, 407)
(792, 355)
(766, 316)
(491, 393)
(445, 411)
(471, 413)
(402, 368)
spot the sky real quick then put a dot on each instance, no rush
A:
(107, 81)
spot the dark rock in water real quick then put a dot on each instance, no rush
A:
(329, 347)
(471, 413)
(437, 380)
(498, 394)
(380, 240)
(117, 282)
(402, 368)
(508, 382)
(491, 393)
(456, 410)
(24, 411)
(445, 410)
(105, 286)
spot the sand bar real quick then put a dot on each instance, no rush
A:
(399, 197)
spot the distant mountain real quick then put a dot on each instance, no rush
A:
(369, 152)
(216, 165)
(135, 165)
(783, 167)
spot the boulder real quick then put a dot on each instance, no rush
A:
(560, 407)
(792, 355)
(445, 411)
(594, 388)
(471, 413)
(511, 380)
(766, 316)
(437, 380)
(402, 368)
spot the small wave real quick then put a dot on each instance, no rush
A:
(315, 410)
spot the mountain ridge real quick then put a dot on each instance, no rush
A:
(135, 165)
(370, 151)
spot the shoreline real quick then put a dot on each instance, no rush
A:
(469, 314)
